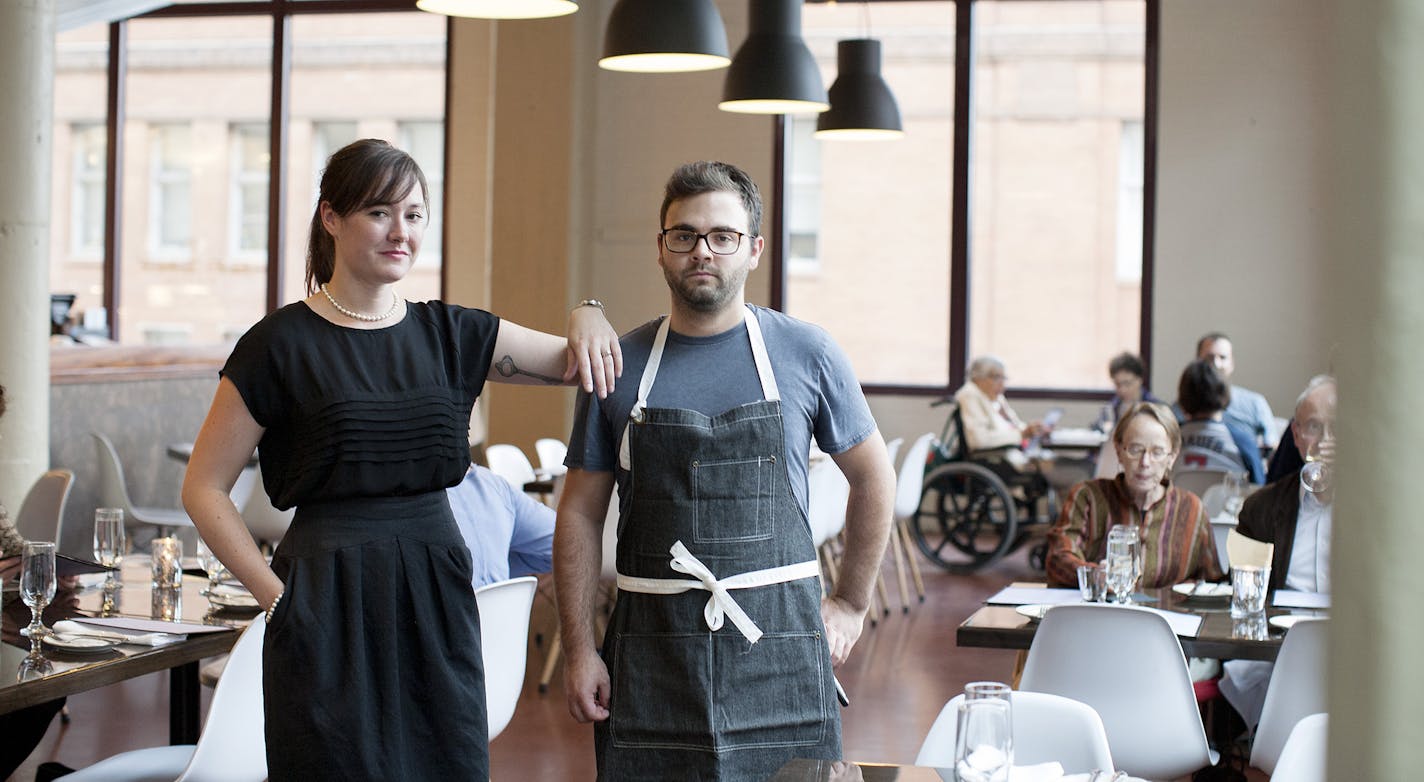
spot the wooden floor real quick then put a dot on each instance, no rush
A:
(898, 678)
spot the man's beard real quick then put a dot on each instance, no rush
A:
(706, 298)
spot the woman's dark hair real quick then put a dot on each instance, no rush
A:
(1127, 362)
(360, 174)
(1201, 390)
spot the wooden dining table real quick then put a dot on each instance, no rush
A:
(803, 770)
(1220, 636)
(34, 674)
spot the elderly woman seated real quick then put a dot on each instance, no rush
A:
(1176, 536)
(988, 420)
(1209, 442)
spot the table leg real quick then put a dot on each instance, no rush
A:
(184, 704)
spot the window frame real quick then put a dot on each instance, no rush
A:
(961, 265)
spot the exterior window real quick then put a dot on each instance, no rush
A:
(170, 225)
(425, 141)
(803, 212)
(248, 200)
(86, 234)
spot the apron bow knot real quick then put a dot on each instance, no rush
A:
(721, 602)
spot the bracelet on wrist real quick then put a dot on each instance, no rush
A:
(273, 607)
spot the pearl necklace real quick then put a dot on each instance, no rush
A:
(395, 303)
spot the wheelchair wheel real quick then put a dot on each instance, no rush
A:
(966, 518)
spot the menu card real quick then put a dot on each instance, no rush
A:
(1290, 598)
(1024, 595)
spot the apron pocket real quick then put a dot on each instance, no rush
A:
(771, 693)
(660, 692)
(733, 500)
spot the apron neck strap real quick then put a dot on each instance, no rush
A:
(769, 389)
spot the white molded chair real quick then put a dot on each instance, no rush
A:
(909, 484)
(1297, 690)
(827, 495)
(1046, 728)
(1303, 757)
(114, 492)
(266, 523)
(1126, 663)
(1197, 481)
(551, 452)
(504, 642)
(510, 463)
(231, 748)
(42, 512)
(897, 549)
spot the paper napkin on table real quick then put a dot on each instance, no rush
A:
(67, 627)
(1244, 551)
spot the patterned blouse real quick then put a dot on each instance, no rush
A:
(1177, 540)
(10, 541)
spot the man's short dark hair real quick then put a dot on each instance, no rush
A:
(1201, 391)
(1210, 337)
(712, 176)
(1127, 362)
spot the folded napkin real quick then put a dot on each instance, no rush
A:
(67, 627)
(1244, 551)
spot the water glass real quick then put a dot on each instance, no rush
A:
(983, 745)
(1124, 561)
(1248, 590)
(167, 563)
(37, 583)
(110, 540)
(1092, 583)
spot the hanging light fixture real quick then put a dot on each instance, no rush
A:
(862, 106)
(773, 72)
(499, 9)
(663, 36)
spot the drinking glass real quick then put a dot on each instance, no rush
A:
(983, 745)
(110, 541)
(1248, 590)
(1124, 561)
(167, 563)
(1235, 494)
(211, 565)
(1091, 583)
(1316, 475)
(37, 583)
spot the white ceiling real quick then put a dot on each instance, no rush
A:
(71, 14)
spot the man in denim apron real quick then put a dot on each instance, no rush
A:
(709, 453)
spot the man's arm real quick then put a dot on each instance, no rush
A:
(869, 513)
(531, 542)
(578, 557)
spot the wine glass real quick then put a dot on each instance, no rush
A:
(37, 583)
(1316, 475)
(211, 565)
(1234, 494)
(110, 541)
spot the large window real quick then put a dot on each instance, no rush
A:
(195, 258)
(1052, 247)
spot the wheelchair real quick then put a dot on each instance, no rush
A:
(976, 508)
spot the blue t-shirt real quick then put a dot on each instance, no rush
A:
(820, 396)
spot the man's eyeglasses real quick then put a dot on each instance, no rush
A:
(1135, 451)
(679, 240)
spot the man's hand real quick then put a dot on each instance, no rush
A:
(843, 626)
(586, 686)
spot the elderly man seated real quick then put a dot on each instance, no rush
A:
(1298, 522)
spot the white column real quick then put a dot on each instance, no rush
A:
(1376, 221)
(27, 95)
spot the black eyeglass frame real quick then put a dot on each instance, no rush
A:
(697, 237)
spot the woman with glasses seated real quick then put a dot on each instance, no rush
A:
(1177, 543)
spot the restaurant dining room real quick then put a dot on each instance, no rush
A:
(1153, 241)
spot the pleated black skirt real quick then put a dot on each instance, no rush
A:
(372, 666)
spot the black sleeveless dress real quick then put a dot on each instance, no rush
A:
(372, 665)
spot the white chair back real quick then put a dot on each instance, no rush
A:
(551, 452)
(504, 642)
(1046, 728)
(827, 495)
(509, 462)
(232, 747)
(892, 450)
(264, 521)
(42, 511)
(910, 481)
(1303, 758)
(1296, 690)
(1107, 465)
(1197, 481)
(1126, 663)
(114, 492)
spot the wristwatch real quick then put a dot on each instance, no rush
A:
(589, 303)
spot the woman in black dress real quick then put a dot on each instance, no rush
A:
(358, 403)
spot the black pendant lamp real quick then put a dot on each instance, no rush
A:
(862, 107)
(499, 9)
(773, 72)
(664, 36)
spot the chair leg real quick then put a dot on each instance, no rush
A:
(914, 562)
(555, 647)
(895, 545)
(882, 591)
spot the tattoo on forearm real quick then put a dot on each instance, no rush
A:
(506, 367)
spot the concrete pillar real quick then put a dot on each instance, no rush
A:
(27, 95)
(1376, 230)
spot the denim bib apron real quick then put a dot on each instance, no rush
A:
(712, 530)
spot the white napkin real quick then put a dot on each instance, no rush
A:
(1052, 771)
(67, 627)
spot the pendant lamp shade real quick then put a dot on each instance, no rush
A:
(664, 36)
(499, 9)
(862, 107)
(773, 72)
